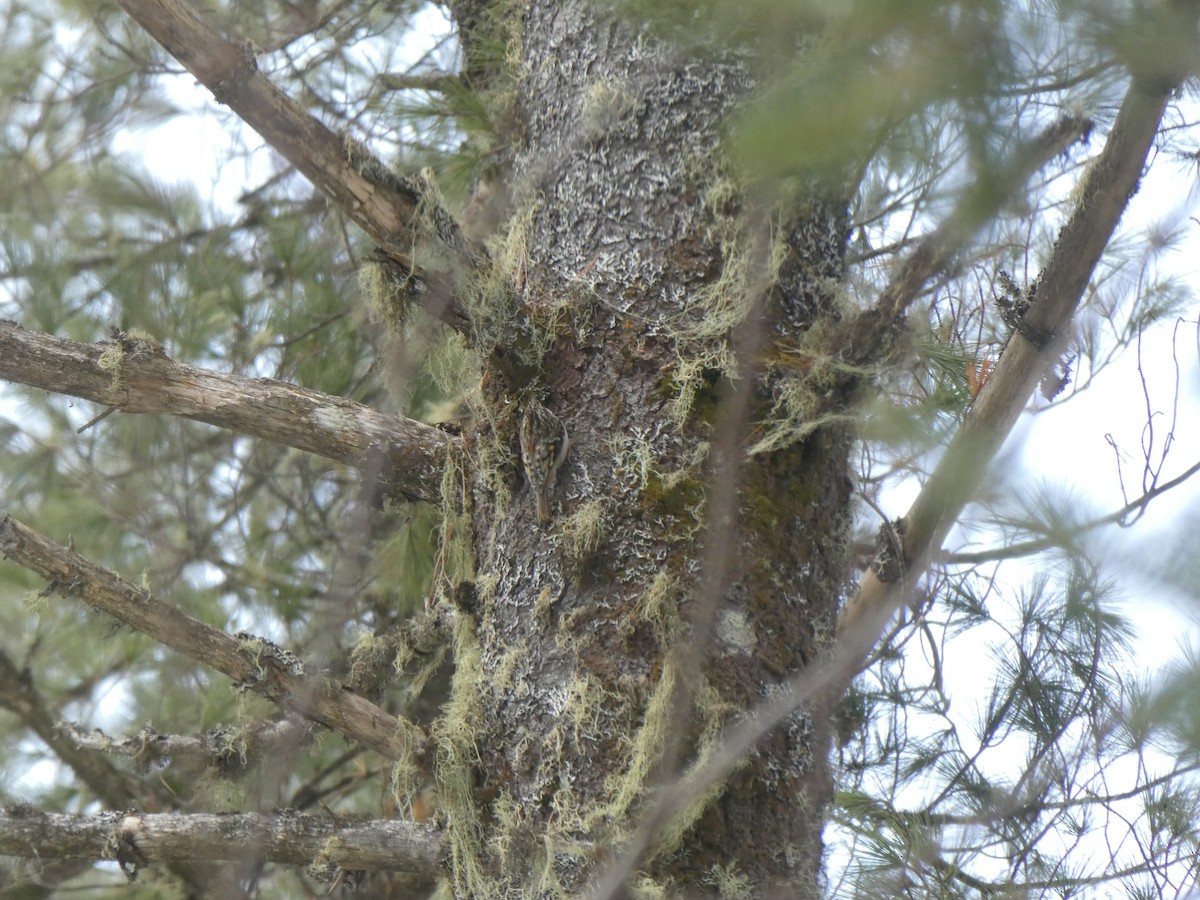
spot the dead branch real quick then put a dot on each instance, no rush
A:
(253, 663)
(137, 839)
(136, 376)
(223, 748)
(18, 694)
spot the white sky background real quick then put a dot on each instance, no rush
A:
(1065, 446)
(1063, 450)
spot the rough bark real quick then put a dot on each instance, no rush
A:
(621, 626)
(687, 333)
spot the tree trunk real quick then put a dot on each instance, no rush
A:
(660, 303)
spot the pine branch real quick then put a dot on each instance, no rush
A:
(253, 664)
(395, 211)
(935, 256)
(1039, 545)
(1107, 189)
(136, 376)
(1034, 348)
(137, 839)
(935, 253)
(436, 82)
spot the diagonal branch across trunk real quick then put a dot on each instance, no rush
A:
(1111, 183)
(1035, 347)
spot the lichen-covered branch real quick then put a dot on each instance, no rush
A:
(135, 375)
(254, 664)
(393, 210)
(222, 748)
(115, 789)
(139, 839)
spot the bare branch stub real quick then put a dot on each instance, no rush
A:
(1013, 303)
(888, 564)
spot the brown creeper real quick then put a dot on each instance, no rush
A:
(544, 445)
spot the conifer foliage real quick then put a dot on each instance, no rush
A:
(466, 449)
